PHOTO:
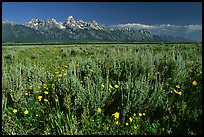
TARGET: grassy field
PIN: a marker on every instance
(105, 89)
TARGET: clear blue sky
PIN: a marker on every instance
(107, 13)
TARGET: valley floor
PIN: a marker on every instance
(105, 89)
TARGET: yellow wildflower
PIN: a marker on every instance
(140, 114)
(99, 110)
(53, 85)
(57, 73)
(178, 86)
(77, 65)
(116, 115)
(26, 112)
(91, 70)
(116, 86)
(60, 75)
(92, 121)
(126, 124)
(194, 83)
(134, 114)
(44, 85)
(45, 100)
(102, 86)
(134, 126)
(116, 122)
(175, 91)
(31, 87)
(39, 97)
(15, 110)
(66, 66)
(143, 114)
(37, 115)
(110, 86)
(180, 93)
(26, 94)
(130, 119)
(56, 100)
(46, 92)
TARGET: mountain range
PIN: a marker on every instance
(37, 30)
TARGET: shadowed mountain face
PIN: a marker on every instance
(37, 30)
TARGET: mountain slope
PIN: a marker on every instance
(37, 30)
(20, 33)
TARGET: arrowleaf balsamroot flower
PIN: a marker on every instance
(180, 93)
(116, 86)
(194, 83)
(44, 85)
(31, 87)
(26, 112)
(130, 119)
(15, 110)
(99, 110)
(110, 86)
(92, 121)
(116, 115)
(46, 92)
(56, 73)
(102, 86)
(178, 86)
(39, 97)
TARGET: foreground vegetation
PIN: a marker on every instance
(136, 89)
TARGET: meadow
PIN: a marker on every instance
(102, 89)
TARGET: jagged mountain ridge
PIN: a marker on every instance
(71, 30)
(70, 23)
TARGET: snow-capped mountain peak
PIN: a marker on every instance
(70, 23)
(145, 32)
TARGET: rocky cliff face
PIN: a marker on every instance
(145, 32)
(70, 23)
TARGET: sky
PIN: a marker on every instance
(107, 13)
(151, 15)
